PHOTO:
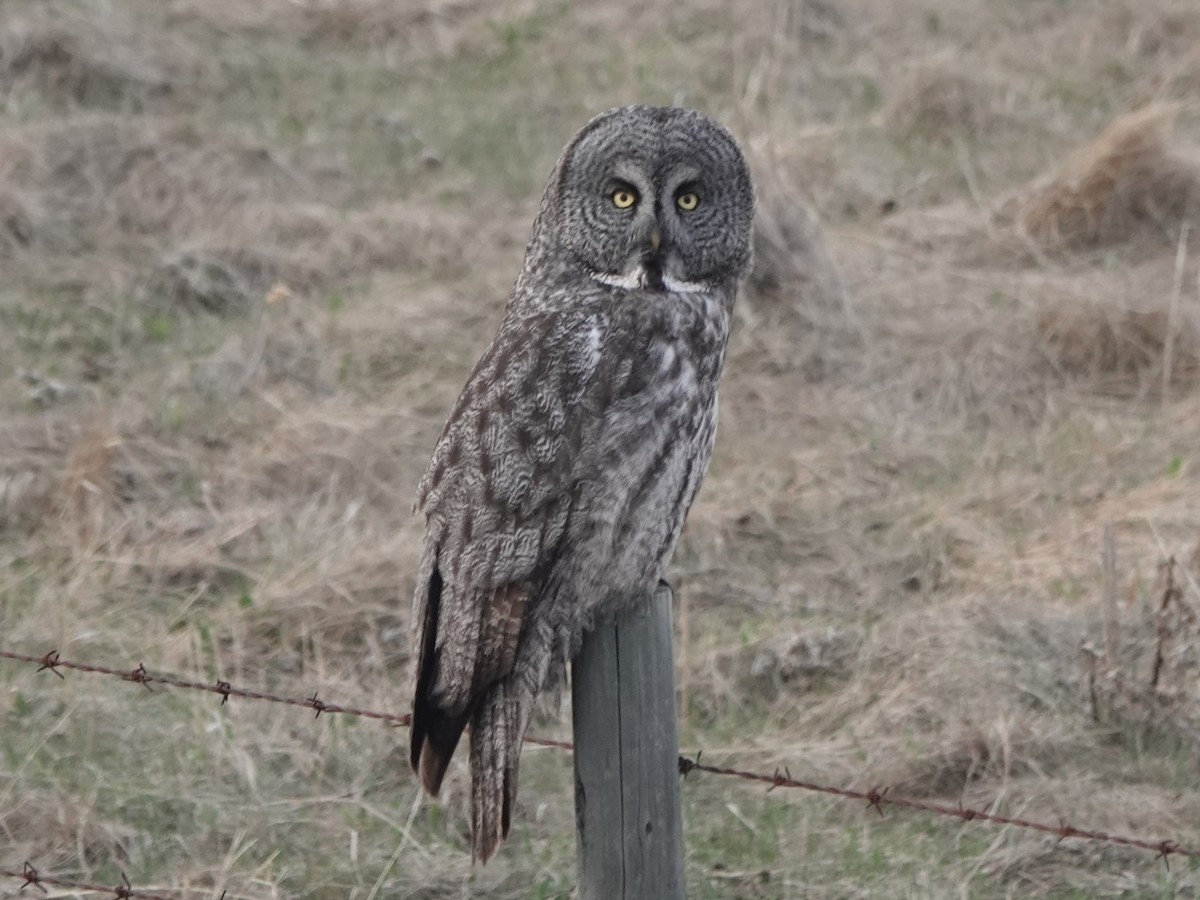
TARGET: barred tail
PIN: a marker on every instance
(435, 729)
(496, 732)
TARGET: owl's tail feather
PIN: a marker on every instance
(433, 745)
(435, 730)
(496, 732)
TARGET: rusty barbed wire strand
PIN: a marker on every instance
(51, 662)
(33, 878)
(876, 798)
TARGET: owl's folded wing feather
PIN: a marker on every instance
(496, 496)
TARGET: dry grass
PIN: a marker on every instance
(796, 307)
(939, 100)
(241, 293)
(1115, 346)
(96, 179)
(91, 56)
(1125, 184)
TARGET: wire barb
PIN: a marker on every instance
(1165, 849)
(50, 663)
(319, 705)
(140, 676)
(30, 874)
(876, 798)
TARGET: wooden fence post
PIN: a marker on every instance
(628, 826)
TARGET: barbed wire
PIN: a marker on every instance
(876, 798)
(51, 662)
(33, 878)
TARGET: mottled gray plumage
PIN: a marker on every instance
(561, 480)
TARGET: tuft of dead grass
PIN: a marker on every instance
(54, 470)
(86, 493)
(437, 26)
(1174, 31)
(1126, 184)
(220, 280)
(938, 100)
(41, 823)
(425, 29)
(966, 681)
(1117, 345)
(958, 354)
(97, 59)
(796, 661)
(971, 752)
(1145, 673)
(309, 247)
(225, 219)
(74, 185)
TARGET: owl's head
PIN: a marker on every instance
(648, 198)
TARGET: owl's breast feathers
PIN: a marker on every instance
(569, 461)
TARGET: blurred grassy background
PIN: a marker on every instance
(249, 253)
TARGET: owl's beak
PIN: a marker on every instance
(651, 264)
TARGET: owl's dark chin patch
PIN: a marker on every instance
(652, 274)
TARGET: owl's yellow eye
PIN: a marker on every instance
(623, 198)
(687, 202)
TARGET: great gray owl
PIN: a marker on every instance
(561, 479)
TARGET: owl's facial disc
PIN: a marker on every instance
(653, 200)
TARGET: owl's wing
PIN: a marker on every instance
(496, 497)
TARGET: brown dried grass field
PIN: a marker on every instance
(249, 252)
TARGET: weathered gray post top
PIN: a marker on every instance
(629, 829)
